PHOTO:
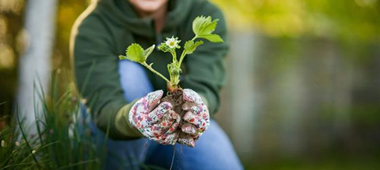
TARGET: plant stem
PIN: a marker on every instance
(184, 53)
(154, 71)
(174, 54)
(195, 37)
(182, 57)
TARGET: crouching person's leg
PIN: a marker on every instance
(124, 154)
(213, 150)
(120, 154)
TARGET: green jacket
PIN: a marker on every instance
(107, 27)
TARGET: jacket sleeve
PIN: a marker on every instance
(97, 79)
(205, 70)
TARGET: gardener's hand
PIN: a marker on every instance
(197, 118)
(155, 120)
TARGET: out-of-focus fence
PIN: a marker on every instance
(300, 97)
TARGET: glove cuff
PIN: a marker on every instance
(122, 123)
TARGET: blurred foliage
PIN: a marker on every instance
(332, 162)
(348, 20)
(68, 12)
(62, 140)
(11, 23)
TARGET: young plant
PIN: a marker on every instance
(203, 28)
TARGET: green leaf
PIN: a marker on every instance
(164, 48)
(197, 24)
(121, 57)
(204, 27)
(212, 37)
(208, 28)
(135, 53)
(148, 51)
(190, 46)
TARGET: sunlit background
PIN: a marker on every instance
(303, 88)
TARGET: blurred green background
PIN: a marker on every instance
(303, 88)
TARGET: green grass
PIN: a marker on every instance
(58, 142)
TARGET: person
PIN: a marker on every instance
(123, 98)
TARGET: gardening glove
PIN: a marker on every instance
(197, 118)
(156, 121)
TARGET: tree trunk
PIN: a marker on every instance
(35, 64)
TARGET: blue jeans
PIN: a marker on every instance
(213, 150)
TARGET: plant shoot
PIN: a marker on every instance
(203, 28)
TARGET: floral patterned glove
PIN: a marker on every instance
(197, 118)
(155, 120)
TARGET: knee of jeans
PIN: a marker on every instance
(134, 80)
(214, 126)
(212, 133)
